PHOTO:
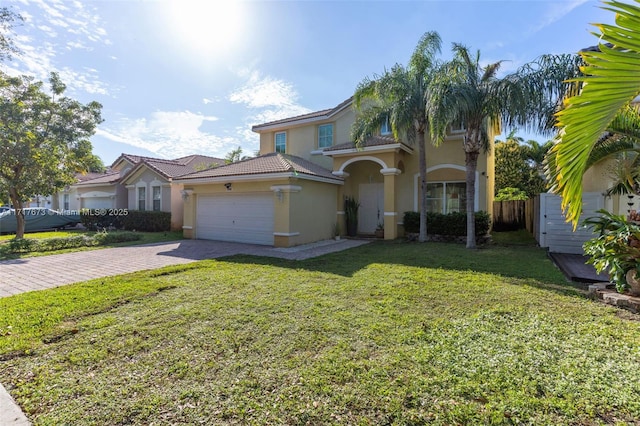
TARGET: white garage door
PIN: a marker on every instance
(556, 233)
(97, 203)
(241, 218)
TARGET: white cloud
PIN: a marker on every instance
(53, 27)
(170, 134)
(269, 98)
(555, 12)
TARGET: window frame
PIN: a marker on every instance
(320, 137)
(284, 142)
(385, 127)
(66, 201)
(457, 127)
(444, 199)
(142, 198)
(158, 199)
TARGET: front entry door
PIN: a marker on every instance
(371, 211)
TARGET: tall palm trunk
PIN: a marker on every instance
(471, 163)
(422, 166)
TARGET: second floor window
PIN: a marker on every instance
(142, 197)
(281, 142)
(457, 126)
(385, 128)
(325, 135)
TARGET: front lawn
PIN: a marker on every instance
(387, 333)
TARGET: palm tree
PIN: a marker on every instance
(610, 82)
(400, 96)
(465, 91)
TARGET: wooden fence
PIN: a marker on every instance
(513, 215)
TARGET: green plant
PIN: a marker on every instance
(351, 206)
(336, 229)
(148, 221)
(27, 245)
(511, 194)
(616, 250)
(447, 224)
(96, 219)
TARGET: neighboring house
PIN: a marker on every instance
(135, 183)
(553, 232)
(293, 193)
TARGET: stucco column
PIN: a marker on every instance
(340, 217)
(189, 212)
(283, 234)
(390, 206)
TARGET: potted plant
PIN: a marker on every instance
(380, 230)
(616, 250)
(351, 206)
(336, 231)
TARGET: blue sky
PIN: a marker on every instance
(180, 77)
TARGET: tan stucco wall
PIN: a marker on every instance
(312, 212)
(303, 140)
(121, 196)
(175, 205)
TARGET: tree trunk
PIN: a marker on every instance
(471, 162)
(17, 205)
(422, 165)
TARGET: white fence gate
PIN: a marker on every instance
(556, 233)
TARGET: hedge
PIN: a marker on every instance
(130, 220)
(454, 224)
(25, 245)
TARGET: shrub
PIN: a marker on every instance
(94, 219)
(511, 194)
(103, 238)
(454, 224)
(147, 221)
(24, 245)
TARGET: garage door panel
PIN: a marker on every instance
(97, 203)
(239, 218)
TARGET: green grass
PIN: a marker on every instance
(147, 238)
(40, 235)
(521, 237)
(387, 333)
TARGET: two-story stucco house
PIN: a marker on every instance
(293, 193)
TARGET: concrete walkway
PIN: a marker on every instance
(40, 273)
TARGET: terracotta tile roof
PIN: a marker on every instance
(372, 141)
(273, 163)
(101, 178)
(81, 177)
(325, 113)
(181, 166)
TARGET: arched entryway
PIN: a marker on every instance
(366, 184)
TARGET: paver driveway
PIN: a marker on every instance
(39, 273)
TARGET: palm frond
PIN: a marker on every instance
(611, 81)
